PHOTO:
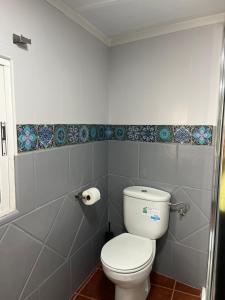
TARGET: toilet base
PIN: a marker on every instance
(139, 292)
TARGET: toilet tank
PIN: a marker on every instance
(146, 211)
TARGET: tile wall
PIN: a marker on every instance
(54, 241)
(32, 137)
(186, 172)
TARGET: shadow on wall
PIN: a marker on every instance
(185, 171)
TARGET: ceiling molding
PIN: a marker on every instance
(77, 18)
(97, 4)
(134, 35)
(154, 31)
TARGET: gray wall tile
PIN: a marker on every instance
(158, 162)
(99, 159)
(116, 185)
(65, 227)
(116, 220)
(45, 186)
(18, 252)
(155, 184)
(42, 177)
(122, 158)
(198, 240)
(2, 231)
(82, 262)
(183, 226)
(33, 296)
(58, 286)
(164, 260)
(26, 195)
(195, 166)
(98, 243)
(39, 221)
(47, 263)
(52, 174)
(202, 198)
(189, 265)
(80, 172)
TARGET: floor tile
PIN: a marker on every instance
(99, 287)
(159, 279)
(181, 296)
(79, 297)
(160, 293)
(85, 282)
(187, 289)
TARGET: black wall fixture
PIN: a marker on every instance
(21, 41)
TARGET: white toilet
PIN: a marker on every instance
(128, 258)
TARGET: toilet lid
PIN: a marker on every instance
(127, 252)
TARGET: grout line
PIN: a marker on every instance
(86, 281)
(188, 294)
(174, 285)
(75, 237)
(162, 286)
(87, 297)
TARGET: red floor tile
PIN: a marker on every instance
(181, 296)
(187, 289)
(98, 287)
(162, 280)
(79, 297)
(160, 293)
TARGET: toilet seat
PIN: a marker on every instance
(128, 253)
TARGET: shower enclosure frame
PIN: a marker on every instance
(217, 219)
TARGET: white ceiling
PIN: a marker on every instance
(113, 18)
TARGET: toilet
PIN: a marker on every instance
(128, 258)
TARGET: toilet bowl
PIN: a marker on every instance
(127, 261)
(128, 258)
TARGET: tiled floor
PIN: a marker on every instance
(98, 287)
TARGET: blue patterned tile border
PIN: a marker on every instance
(27, 137)
(31, 137)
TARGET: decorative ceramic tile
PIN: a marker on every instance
(120, 132)
(202, 135)
(93, 132)
(32, 137)
(27, 137)
(73, 134)
(164, 134)
(148, 133)
(108, 132)
(45, 136)
(182, 134)
(60, 135)
(83, 134)
(133, 133)
(101, 132)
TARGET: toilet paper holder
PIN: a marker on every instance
(80, 196)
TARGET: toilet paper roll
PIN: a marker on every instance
(91, 196)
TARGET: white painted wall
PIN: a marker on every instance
(63, 76)
(170, 79)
